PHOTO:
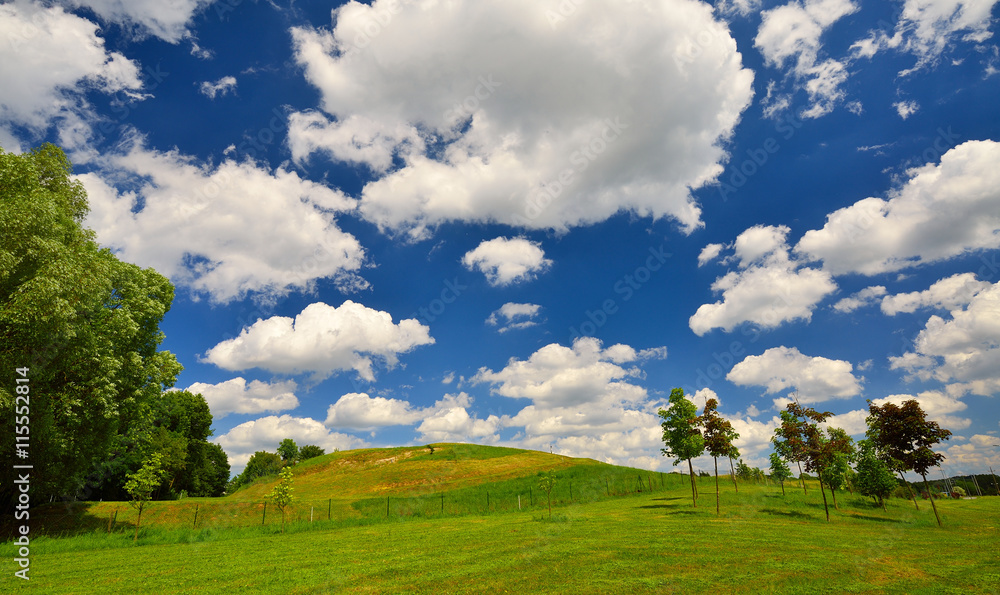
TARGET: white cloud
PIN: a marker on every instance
(709, 253)
(221, 87)
(964, 349)
(167, 20)
(853, 422)
(513, 316)
(321, 340)
(938, 406)
(940, 212)
(789, 36)
(742, 8)
(507, 261)
(905, 109)
(52, 58)
(950, 293)
(812, 379)
(496, 114)
(267, 433)
(449, 421)
(865, 297)
(926, 28)
(236, 396)
(225, 231)
(361, 412)
(768, 289)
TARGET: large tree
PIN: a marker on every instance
(719, 436)
(904, 437)
(84, 324)
(681, 436)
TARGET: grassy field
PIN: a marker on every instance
(648, 542)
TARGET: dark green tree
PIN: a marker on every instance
(875, 479)
(719, 436)
(779, 471)
(85, 324)
(837, 455)
(681, 436)
(310, 451)
(261, 464)
(288, 451)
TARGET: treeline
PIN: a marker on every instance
(81, 374)
(264, 464)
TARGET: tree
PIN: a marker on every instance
(84, 324)
(904, 436)
(546, 482)
(779, 471)
(310, 451)
(261, 464)
(281, 495)
(875, 479)
(141, 485)
(837, 455)
(288, 451)
(803, 439)
(681, 436)
(718, 437)
(787, 441)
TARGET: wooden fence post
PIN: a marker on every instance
(196, 507)
(329, 509)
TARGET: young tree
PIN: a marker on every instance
(681, 436)
(546, 482)
(779, 471)
(281, 495)
(837, 455)
(875, 479)
(905, 436)
(787, 441)
(806, 441)
(141, 485)
(718, 436)
(310, 451)
(288, 451)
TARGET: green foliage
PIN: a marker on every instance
(281, 495)
(546, 483)
(779, 470)
(681, 436)
(85, 323)
(261, 464)
(141, 485)
(874, 477)
(288, 451)
(719, 433)
(310, 451)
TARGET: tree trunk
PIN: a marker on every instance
(138, 522)
(694, 490)
(802, 481)
(782, 489)
(732, 473)
(912, 496)
(716, 486)
(825, 505)
(931, 496)
(833, 493)
(882, 502)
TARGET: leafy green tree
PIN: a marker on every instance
(779, 471)
(546, 483)
(803, 438)
(681, 436)
(788, 442)
(211, 471)
(141, 485)
(310, 451)
(875, 479)
(281, 495)
(84, 323)
(288, 451)
(905, 436)
(837, 461)
(261, 464)
(719, 436)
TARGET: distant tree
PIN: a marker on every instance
(310, 451)
(288, 451)
(261, 464)
(875, 479)
(281, 495)
(905, 436)
(546, 482)
(718, 438)
(779, 471)
(681, 436)
(141, 485)
(959, 490)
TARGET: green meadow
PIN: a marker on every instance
(608, 537)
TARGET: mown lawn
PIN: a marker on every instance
(648, 543)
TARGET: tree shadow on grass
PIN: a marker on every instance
(667, 499)
(876, 519)
(791, 513)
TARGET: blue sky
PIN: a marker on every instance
(523, 223)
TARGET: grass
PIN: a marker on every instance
(649, 542)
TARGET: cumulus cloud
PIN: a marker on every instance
(360, 411)
(267, 433)
(789, 37)
(166, 20)
(542, 125)
(449, 421)
(321, 340)
(949, 294)
(236, 396)
(221, 87)
(709, 253)
(35, 94)
(812, 379)
(865, 297)
(938, 406)
(942, 211)
(963, 348)
(768, 288)
(513, 316)
(507, 261)
(225, 231)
